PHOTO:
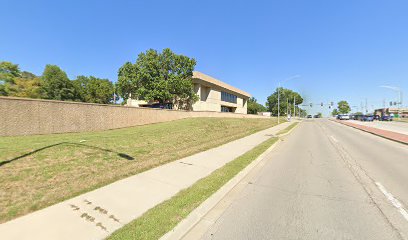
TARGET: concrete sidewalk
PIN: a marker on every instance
(96, 214)
(398, 137)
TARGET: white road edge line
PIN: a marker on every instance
(334, 139)
(393, 200)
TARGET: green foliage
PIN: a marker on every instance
(57, 85)
(319, 114)
(254, 107)
(94, 90)
(26, 87)
(163, 77)
(15, 83)
(335, 112)
(8, 71)
(343, 107)
(285, 96)
(303, 112)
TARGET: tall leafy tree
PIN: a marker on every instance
(56, 84)
(94, 90)
(335, 112)
(254, 107)
(26, 87)
(343, 107)
(163, 77)
(286, 101)
(8, 72)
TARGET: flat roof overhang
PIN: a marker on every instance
(212, 81)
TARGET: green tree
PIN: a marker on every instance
(303, 112)
(163, 77)
(335, 112)
(343, 107)
(286, 95)
(94, 90)
(254, 107)
(26, 87)
(56, 84)
(8, 73)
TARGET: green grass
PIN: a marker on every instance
(38, 171)
(286, 130)
(165, 216)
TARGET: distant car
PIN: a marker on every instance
(344, 117)
(386, 118)
(309, 116)
(316, 116)
(377, 117)
(368, 118)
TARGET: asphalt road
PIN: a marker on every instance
(323, 181)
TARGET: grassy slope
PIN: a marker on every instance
(165, 216)
(37, 171)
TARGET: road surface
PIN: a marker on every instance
(323, 181)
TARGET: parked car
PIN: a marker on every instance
(309, 116)
(316, 116)
(368, 118)
(344, 117)
(386, 118)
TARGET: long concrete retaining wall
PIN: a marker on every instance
(23, 116)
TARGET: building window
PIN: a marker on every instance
(228, 97)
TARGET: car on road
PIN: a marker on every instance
(367, 118)
(344, 117)
(386, 118)
(309, 116)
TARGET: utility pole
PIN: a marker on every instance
(366, 110)
(278, 102)
(287, 106)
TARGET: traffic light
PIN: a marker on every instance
(390, 103)
(311, 105)
(321, 104)
(332, 104)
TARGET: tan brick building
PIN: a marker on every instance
(214, 95)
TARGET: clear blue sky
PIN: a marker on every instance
(341, 49)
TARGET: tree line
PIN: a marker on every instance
(164, 77)
(54, 84)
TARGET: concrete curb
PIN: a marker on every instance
(376, 134)
(283, 135)
(197, 214)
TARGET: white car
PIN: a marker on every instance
(344, 117)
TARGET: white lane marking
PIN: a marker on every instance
(334, 139)
(393, 200)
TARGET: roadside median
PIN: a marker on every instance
(394, 136)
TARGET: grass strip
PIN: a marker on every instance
(41, 170)
(286, 130)
(159, 220)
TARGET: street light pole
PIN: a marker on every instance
(278, 102)
(399, 91)
(279, 84)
